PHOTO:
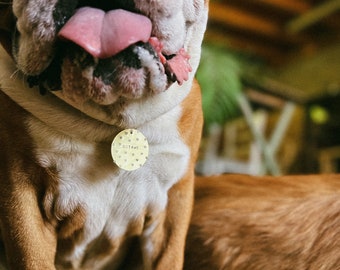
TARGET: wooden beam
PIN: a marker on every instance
(248, 22)
(269, 53)
(238, 18)
(244, 26)
(291, 6)
(313, 16)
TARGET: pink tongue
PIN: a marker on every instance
(105, 34)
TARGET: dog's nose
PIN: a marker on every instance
(104, 34)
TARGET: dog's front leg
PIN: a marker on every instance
(171, 234)
(29, 243)
(168, 239)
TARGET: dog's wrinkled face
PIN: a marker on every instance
(104, 50)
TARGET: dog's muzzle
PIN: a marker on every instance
(105, 34)
(103, 54)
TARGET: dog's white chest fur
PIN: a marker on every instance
(111, 199)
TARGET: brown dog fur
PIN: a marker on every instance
(62, 206)
(243, 222)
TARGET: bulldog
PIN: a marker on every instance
(100, 122)
(243, 222)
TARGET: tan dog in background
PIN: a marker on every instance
(75, 74)
(265, 223)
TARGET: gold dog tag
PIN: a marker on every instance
(130, 149)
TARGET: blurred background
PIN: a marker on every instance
(270, 78)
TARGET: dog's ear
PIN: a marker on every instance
(7, 24)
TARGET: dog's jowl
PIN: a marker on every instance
(74, 75)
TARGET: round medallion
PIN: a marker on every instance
(130, 149)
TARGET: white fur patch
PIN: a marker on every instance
(112, 197)
(157, 80)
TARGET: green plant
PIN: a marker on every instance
(220, 77)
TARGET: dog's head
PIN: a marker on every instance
(104, 52)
